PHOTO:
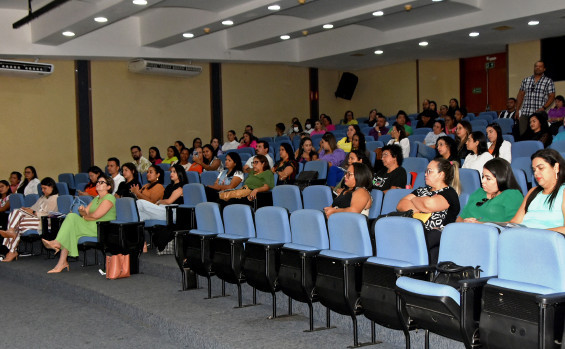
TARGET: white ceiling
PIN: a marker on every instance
(155, 30)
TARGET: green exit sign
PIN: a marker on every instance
(489, 65)
(477, 90)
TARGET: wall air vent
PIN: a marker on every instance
(25, 69)
(161, 68)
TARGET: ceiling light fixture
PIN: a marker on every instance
(188, 35)
(533, 22)
(274, 8)
(101, 19)
(378, 13)
(423, 43)
(285, 37)
(140, 2)
(473, 34)
(328, 26)
(227, 22)
(68, 33)
(379, 52)
(437, 0)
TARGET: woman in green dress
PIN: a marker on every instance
(75, 226)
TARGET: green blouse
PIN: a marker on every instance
(255, 181)
(501, 208)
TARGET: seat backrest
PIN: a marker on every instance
(508, 138)
(525, 148)
(349, 233)
(165, 167)
(193, 194)
(413, 149)
(377, 204)
(532, 256)
(63, 188)
(391, 199)
(64, 203)
(272, 223)
(126, 210)
(193, 177)
(521, 179)
(308, 227)
(166, 178)
(525, 164)
(316, 141)
(385, 138)
(208, 217)
(81, 177)
(30, 199)
(406, 243)
(505, 125)
(287, 196)
(420, 180)
(16, 201)
(316, 197)
(372, 145)
(319, 165)
(418, 137)
(422, 130)
(208, 177)
(415, 164)
(559, 146)
(470, 244)
(463, 198)
(470, 180)
(238, 220)
(68, 178)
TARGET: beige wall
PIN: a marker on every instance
(439, 81)
(521, 60)
(39, 123)
(146, 110)
(263, 95)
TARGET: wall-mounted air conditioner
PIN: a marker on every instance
(25, 69)
(162, 68)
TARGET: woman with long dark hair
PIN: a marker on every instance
(155, 155)
(173, 155)
(497, 146)
(153, 190)
(462, 132)
(90, 189)
(30, 182)
(228, 179)
(538, 129)
(306, 151)
(479, 155)
(208, 161)
(129, 171)
(286, 167)
(356, 198)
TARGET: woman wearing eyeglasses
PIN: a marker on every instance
(356, 198)
(498, 199)
(439, 198)
(101, 208)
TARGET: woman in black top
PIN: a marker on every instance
(393, 175)
(356, 198)
(286, 167)
(129, 171)
(538, 129)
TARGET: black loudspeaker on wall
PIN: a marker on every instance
(346, 86)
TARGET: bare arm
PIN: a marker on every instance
(359, 201)
(519, 216)
(254, 192)
(104, 207)
(177, 193)
(405, 203)
(430, 203)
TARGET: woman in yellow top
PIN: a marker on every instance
(172, 155)
(348, 118)
(346, 142)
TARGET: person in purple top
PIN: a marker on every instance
(334, 156)
(380, 127)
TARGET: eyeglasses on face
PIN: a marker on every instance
(349, 174)
(430, 170)
(101, 182)
(256, 162)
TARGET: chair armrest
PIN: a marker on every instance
(474, 283)
(552, 298)
(169, 213)
(356, 260)
(407, 271)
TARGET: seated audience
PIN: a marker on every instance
(131, 177)
(279, 130)
(392, 175)
(308, 126)
(334, 156)
(172, 195)
(446, 148)
(479, 155)
(497, 146)
(4, 196)
(208, 161)
(247, 141)
(173, 155)
(153, 190)
(179, 145)
(196, 159)
(113, 167)
(538, 129)
(155, 155)
(306, 151)
(437, 131)
(440, 198)
(460, 114)
(291, 125)
(196, 143)
(30, 182)
(29, 218)
(353, 157)
(402, 119)
(426, 119)
(296, 129)
(543, 207)
(462, 132)
(286, 167)
(556, 115)
(139, 161)
(75, 226)
(262, 149)
(442, 111)
(228, 179)
(260, 179)
(215, 143)
(348, 118)
(499, 198)
(232, 142)
(379, 127)
(453, 105)
(450, 125)
(400, 138)
(345, 142)
(327, 121)
(372, 117)
(358, 143)
(15, 180)
(183, 160)
(510, 110)
(90, 190)
(318, 128)
(356, 198)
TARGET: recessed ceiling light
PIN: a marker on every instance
(473, 34)
(68, 33)
(285, 37)
(188, 35)
(378, 13)
(140, 2)
(227, 22)
(101, 19)
(436, 0)
(328, 26)
(379, 52)
(423, 43)
(274, 8)
(533, 22)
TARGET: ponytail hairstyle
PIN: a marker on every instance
(451, 170)
(552, 157)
